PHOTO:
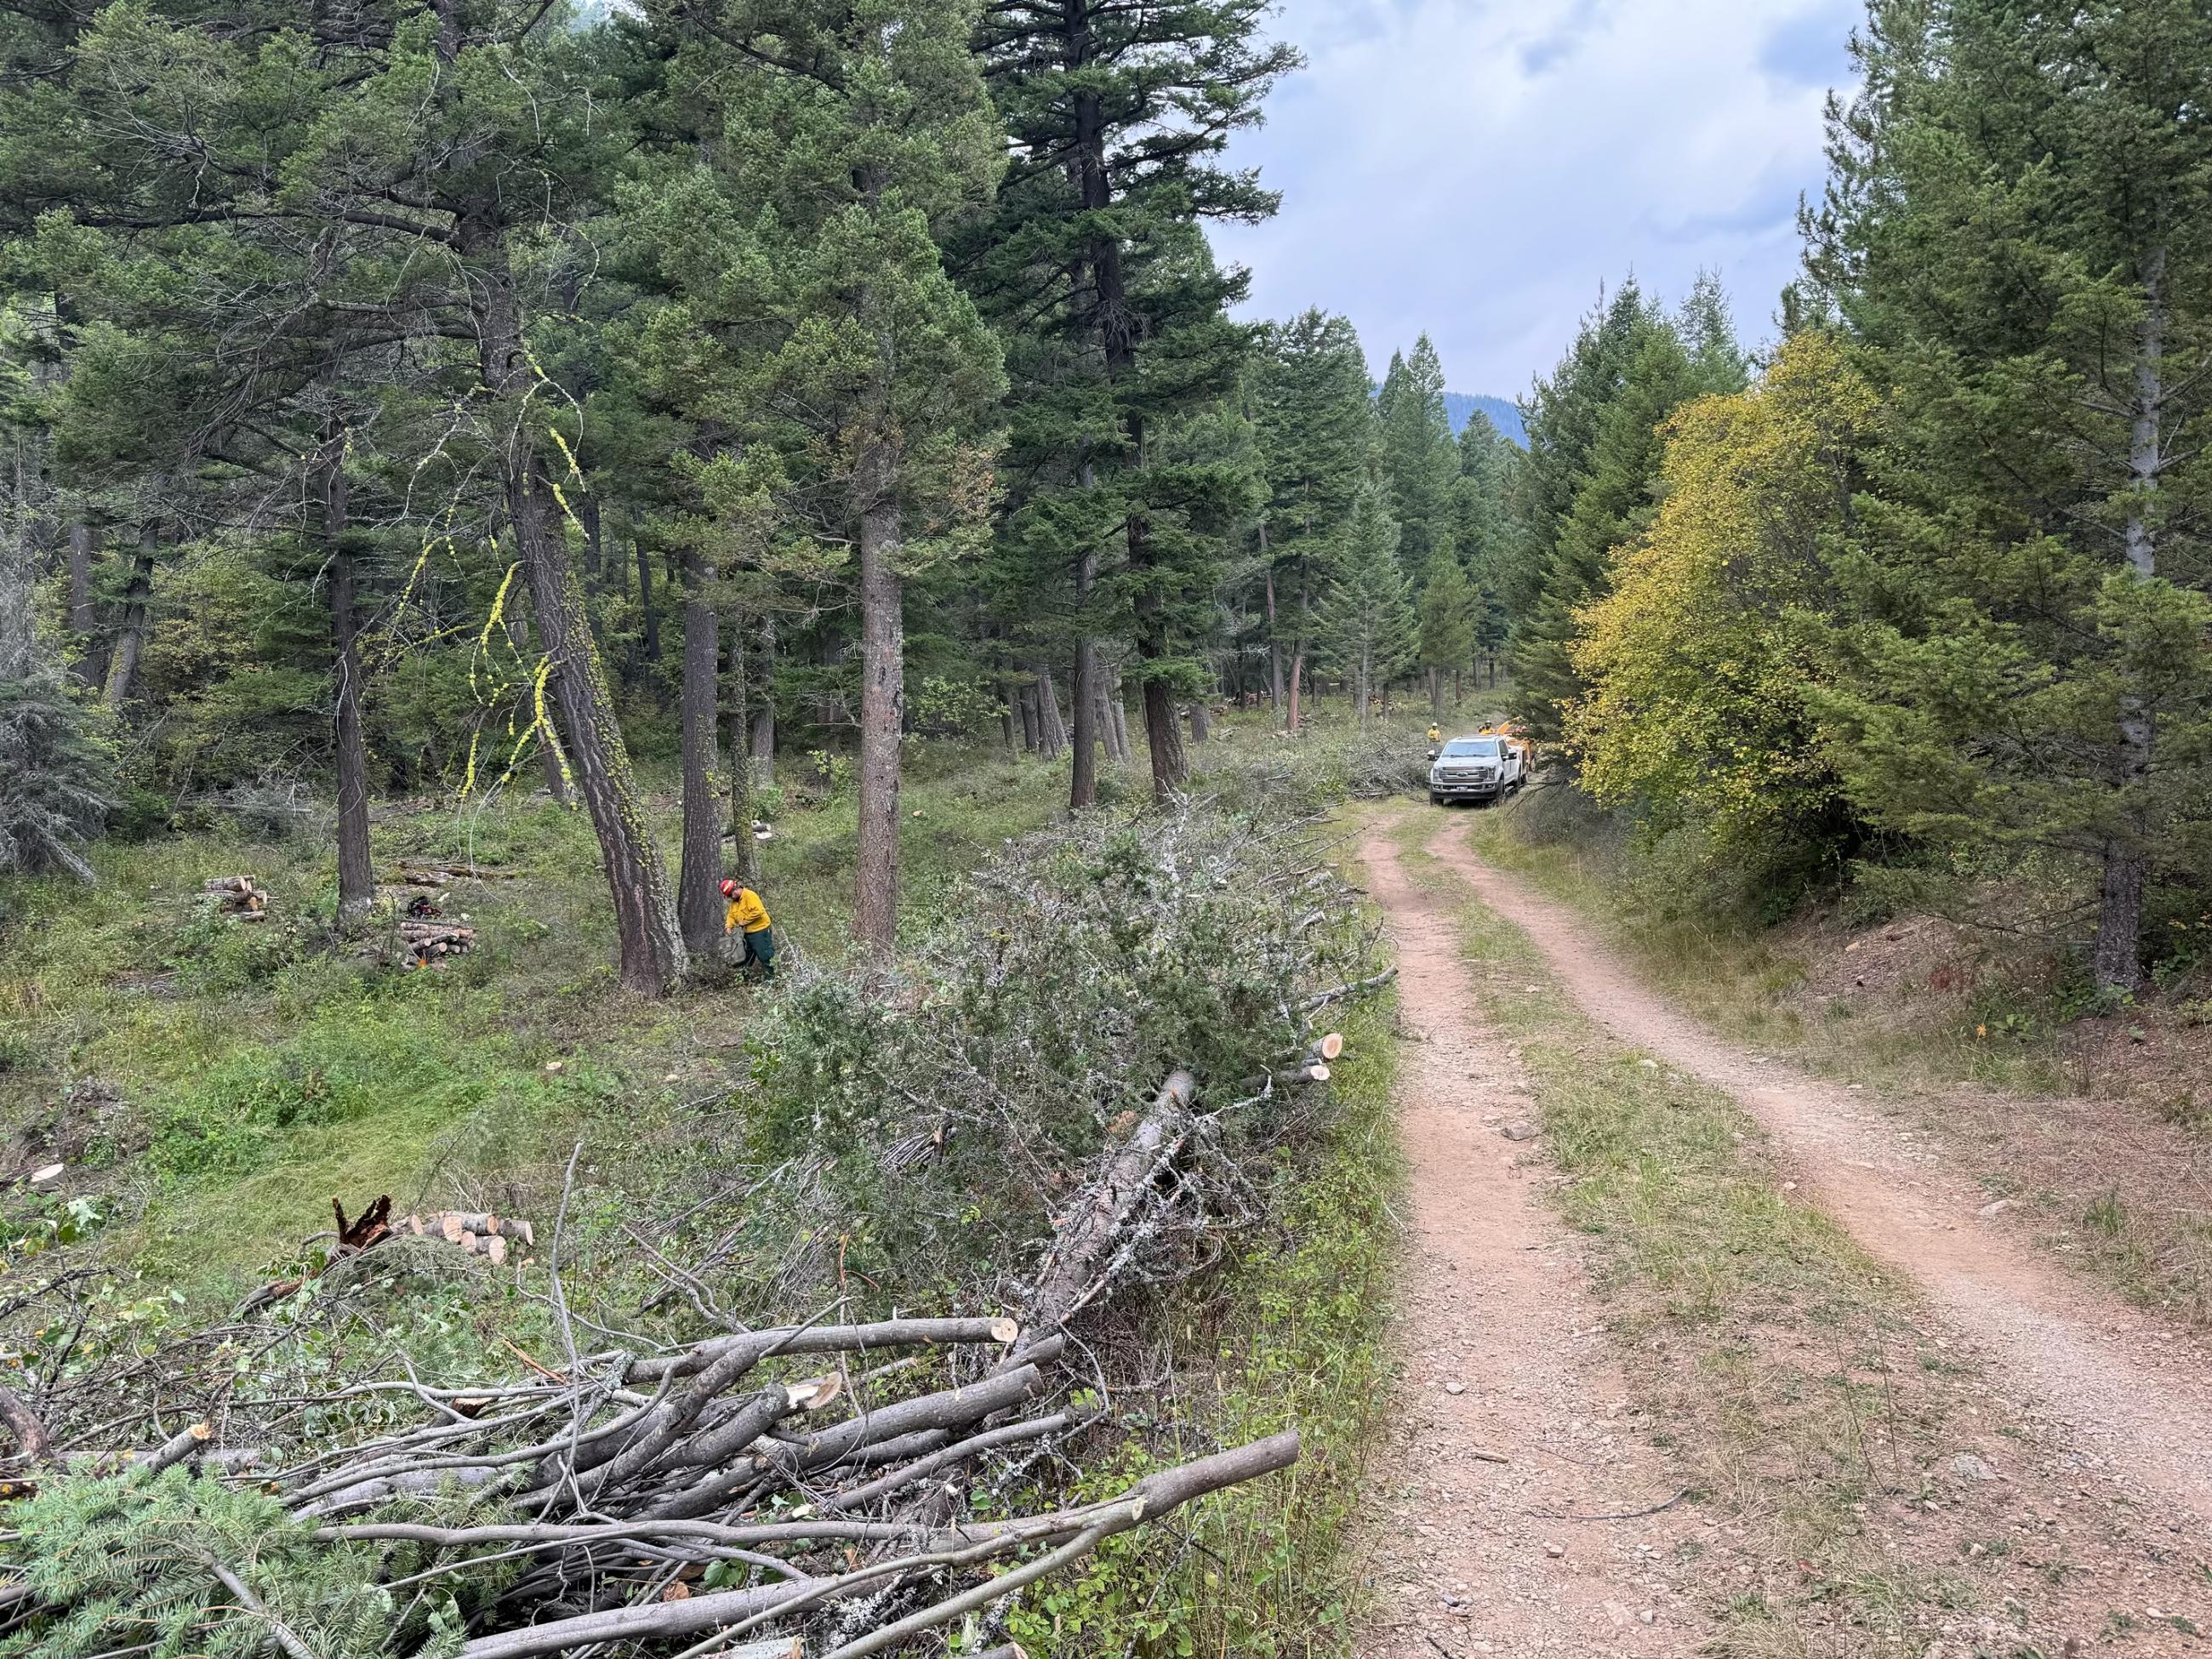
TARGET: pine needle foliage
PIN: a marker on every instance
(53, 778)
(1062, 986)
(138, 1566)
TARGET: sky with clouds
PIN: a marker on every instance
(1482, 168)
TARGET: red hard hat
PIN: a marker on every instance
(729, 890)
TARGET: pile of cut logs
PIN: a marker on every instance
(423, 942)
(417, 893)
(476, 1233)
(235, 896)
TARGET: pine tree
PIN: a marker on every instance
(1367, 623)
(1418, 457)
(1450, 618)
(2015, 235)
(1612, 491)
(1116, 116)
(1317, 438)
(1484, 534)
(861, 130)
(53, 775)
(423, 174)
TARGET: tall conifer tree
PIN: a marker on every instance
(1117, 116)
(1318, 439)
(1418, 461)
(2015, 233)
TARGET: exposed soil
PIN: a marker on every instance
(2127, 1395)
(1503, 1355)
(2115, 1169)
(2044, 1464)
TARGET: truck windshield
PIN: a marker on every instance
(1471, 748)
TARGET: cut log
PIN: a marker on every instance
(236, 896)
(1111, 1201)
(439, 875)
(423, 941)
(187, 1443)
(29, 1428)
(829, 1339)
(450, 1225)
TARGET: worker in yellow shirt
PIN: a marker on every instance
(1436, 734)
(747, 916)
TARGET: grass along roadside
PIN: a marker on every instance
(1742, 981)
(1812, 1416)
(2103, 1148)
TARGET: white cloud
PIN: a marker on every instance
(1480, 169)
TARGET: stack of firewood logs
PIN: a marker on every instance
(235, 896)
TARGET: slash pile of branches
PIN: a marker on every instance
(831, 1488)
(772, 1487)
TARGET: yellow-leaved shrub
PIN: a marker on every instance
(1699, 658)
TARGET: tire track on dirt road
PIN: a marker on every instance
(2130, 1397)
(1513, 1419)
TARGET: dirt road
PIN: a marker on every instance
(1514, 1419)
(2064, 1467)
(2129, 1397)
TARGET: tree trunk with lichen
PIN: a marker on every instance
(698, 908)
(356, 872)
(653, 957)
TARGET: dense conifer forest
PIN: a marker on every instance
(586, 464)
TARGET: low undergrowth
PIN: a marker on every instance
(857, 1140)
(209, 1086)
(1292, 1335)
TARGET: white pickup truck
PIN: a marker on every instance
(1483, 769)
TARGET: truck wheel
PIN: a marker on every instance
(1435, 800)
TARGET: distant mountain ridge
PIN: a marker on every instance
(1460, 407)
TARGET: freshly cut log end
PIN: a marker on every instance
(813, 1394)
(1331, 1046)
(1317, 1074)
(1004, 1329)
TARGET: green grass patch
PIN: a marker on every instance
(212, 1086)
(1743, 979)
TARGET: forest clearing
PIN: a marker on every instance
(801, 856)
